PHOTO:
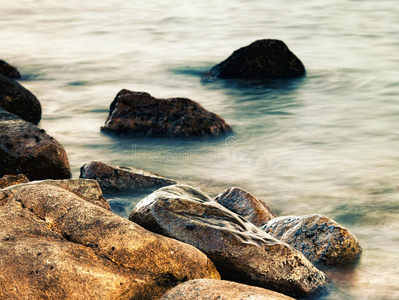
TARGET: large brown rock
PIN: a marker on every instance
(119, 179)
(56, 245)
(9, 70)
(239, 249)
(26, 149)
(10, 180)
(140, 114)
(319, 238)
(206, 289)
(263, 59)
(19, 101)
(246, 205)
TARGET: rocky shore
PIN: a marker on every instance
(59, 238)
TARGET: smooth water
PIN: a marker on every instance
(326, 143)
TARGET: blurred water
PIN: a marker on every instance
(326, 143)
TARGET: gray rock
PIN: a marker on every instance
(246, 205)
(205, 289)
(140, 114)
(56, 245)
(19, 101)
(119, 179)
(263, 59)
(26, 149)
(319, 238)
(239, 249)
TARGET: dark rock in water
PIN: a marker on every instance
(140, 114)
(19, 101)
(119, 179)
(205, 289)
(9, 70)
(26, 149)
(319, 238)
(246, 205)
(56, 245)
(10, 180)
(240, 250)
(263, 59)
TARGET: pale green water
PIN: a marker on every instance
(324, 144)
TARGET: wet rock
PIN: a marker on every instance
(319, 238)
(140, 114)
(10, 180)
(9, 70)
(246, 205)
(118, 179)
(26, 149)
(240, 250)
(19, 101)
(205, 289)
(263, 59)
(56, 245)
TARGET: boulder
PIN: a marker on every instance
(9, 180)
(9, 70)
(240, 250)
(26, 149)
(246, 205)
(19, 101)
(205, 289)
(263, 59)
(56, 245)
(119, 179)
(140, 114)
(322, 240)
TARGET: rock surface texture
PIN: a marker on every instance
(246, 205)
(140, 114)
(119, 179)
(319, 238)
(19, 101)
(56, 245)
(9, 180)
(240, 250)
(208, 289)
(9, 70)
(26, 149)
(263, 59)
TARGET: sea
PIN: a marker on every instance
(326, 143)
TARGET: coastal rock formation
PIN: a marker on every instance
(140, 114)
(26, 149)
(9, 70)
(118, 179)
(56, 245)
(246, 205)
(10, 180)
(319, 238)
(205, 289)
(19, 101)
(240, 250)
(263, 59)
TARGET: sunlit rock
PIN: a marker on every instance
(10, 180)
(239, 249)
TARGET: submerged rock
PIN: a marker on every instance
(19, 101)
(56, 245)
(118, 179)
(141, 114)
(205, 289)
(239, 249)
(263, 59)
(9, 70)
(246, 205)
(10, 180)
(319, 238)
(26, 149)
